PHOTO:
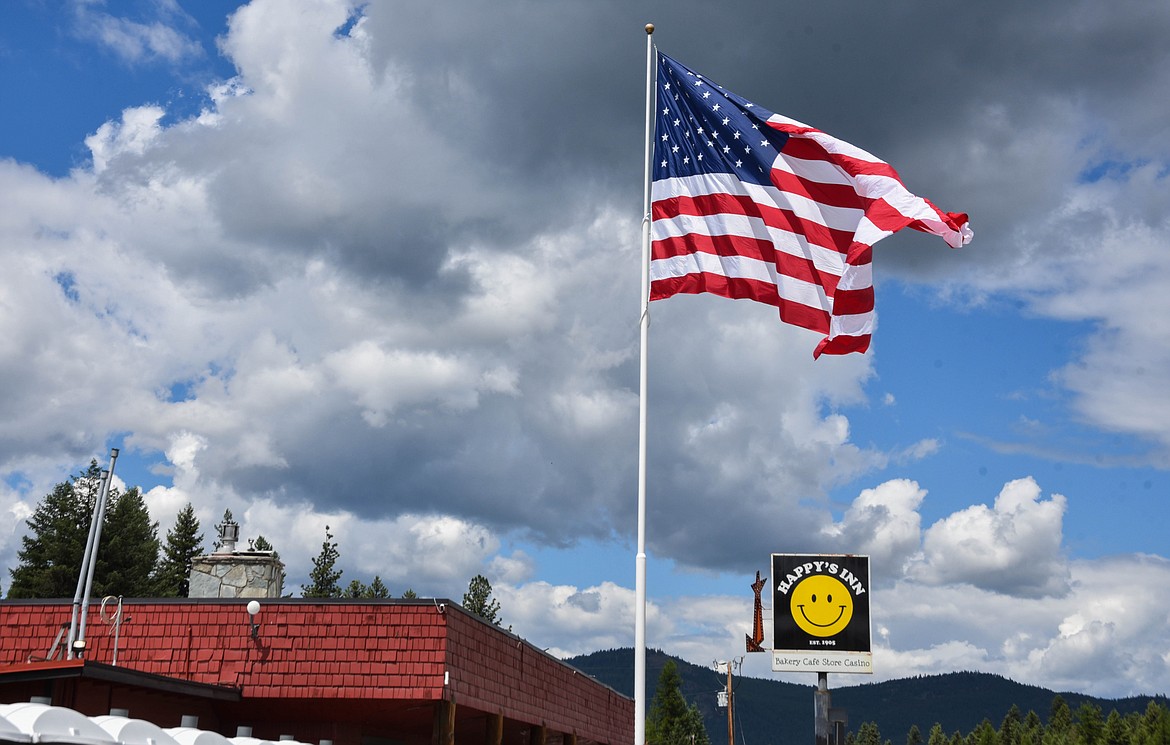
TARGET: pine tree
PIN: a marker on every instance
(1090, 728)
(184, 542)
(670, 720)
(478, 600)
(324, 577)
(377, 589)
(914, 736)
(129, 549)
(409, 594)
(51, 552)
(355, 589)
(869, 734)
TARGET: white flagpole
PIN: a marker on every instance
(644, 324)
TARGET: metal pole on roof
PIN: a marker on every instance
(100, 516)
(84, 570)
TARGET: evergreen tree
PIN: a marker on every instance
(1056, 731)
(914, 736)
(1116, 729)
(1154, 726)
(670, 720)
(51, 552)
(324, 578)
(1011, 728)
(985, 733)
(937, 736)
(869, 734)
(355, 589)
(129, 549)
(409, 594)
(1090, 728)
(184, 542)
(478, 600)
(376, 589)
(1032, 730)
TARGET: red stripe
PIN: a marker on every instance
(853, 302)
(842, 345)
(883, 215)
(761, 250)
(837, 195)
(801, 146)
(793, 313)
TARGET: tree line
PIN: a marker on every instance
(133, 562)
(1086, 727)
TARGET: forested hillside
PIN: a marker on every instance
(771, 712)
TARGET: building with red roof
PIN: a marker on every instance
(354, 672)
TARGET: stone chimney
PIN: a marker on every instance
(228, 573)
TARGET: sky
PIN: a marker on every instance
(376, 267)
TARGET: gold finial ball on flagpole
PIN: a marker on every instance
(649, 28)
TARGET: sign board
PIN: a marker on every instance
(820, 612)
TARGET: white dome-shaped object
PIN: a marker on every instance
(193, 736)
(10, 733)
(133, 731)
(55, 724)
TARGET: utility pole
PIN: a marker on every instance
(730, 699)
(730, 708)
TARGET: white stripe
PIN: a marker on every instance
(819, 171)
(869, 234)
(860, 324)
(824, 259)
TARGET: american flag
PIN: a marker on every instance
(751, 204)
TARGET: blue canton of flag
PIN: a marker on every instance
(702, 128)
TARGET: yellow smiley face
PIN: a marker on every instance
(821, 605)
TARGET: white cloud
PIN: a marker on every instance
(883, 523)
(1012, 547)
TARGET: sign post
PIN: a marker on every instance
(820, 612)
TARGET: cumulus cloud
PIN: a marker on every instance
(1013, 547)
(883, 523)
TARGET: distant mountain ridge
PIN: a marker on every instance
(772, 712)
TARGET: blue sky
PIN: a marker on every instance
(375, 267)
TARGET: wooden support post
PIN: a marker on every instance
(443, 730)
(494, 730)
(536, 735)
(569, 738)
